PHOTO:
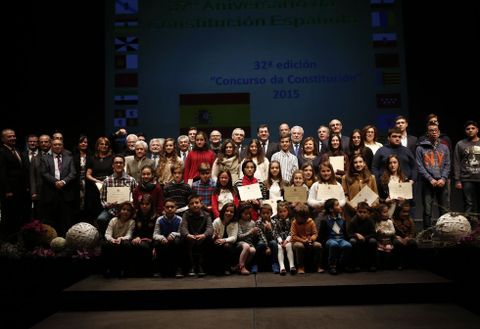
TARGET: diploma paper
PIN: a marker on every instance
(338, 163)
(365, 195)
(400, 190)
(118, 194)
(99, 185)
(250, 192)
(329, 191)
(295, 194)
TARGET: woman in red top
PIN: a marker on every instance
(200, 153)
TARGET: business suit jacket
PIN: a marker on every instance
(271, 149)
(13, 175)
(68, 174)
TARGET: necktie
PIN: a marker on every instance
(59, 162)
(16, 155)
(264, 145)
(296, 149)
(183, 156)
(31, 154)
(155, 160)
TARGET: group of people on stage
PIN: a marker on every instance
(187, 211)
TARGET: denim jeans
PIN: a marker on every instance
(430, 195)
(471, 194)
(338, 252)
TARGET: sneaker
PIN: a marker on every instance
(333, 270)
(275, 268)
(227, 272)
(293, 270)
(201, 273)
(179, 274)
(301, 270)
(191, 273)
(372, 268)
(283, 271)
(254, 269)
(320, 270)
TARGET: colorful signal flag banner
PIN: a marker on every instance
(382, 3)
(131, 113)
(126, 80)
(383, 19)
(390, 100)
(126, 61)
(126, 44)
(387, 60)
(128, 99)
(388, 77)
(384, 40)
(220, 111)
(127, 7)
(125, 21)
(119, 122)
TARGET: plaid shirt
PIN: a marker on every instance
(204, 191)
(115, 181)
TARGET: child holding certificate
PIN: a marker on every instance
(118, 235)
(317, 196)
(275, 183)
(358, 176)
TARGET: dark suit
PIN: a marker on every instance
(412, 144)
(57, 203)
(271, 149)
(14, 180)
(324, 148)
(345, 143)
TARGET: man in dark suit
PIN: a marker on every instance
(408, 141)
(238, 136)
(296, 136)
(14, 195)
(58, 190)
(336, 128)
(323, 135)
(269, 147)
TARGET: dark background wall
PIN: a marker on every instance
(55, 66)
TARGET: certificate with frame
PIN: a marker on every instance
(330, 191)
(250, 192)
(295, 194)
(118, 194)
(366, 194)
(400, 190)
(337, 162)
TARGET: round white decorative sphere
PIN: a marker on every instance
(58, 244)
(82, 236)
(451, 226)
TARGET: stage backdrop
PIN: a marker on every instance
(240, 63)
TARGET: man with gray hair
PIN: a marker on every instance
(183, 147)
(238, 136)
(336, 128)
(296, 135)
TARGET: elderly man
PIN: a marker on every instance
(336, 128)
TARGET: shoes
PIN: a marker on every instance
(301, 270)
(227, 272)
(107, 274)
(320, 270)
(348, 269)
(357, 269)
(201, 273)
(275, 268)
(191, 273)
(254, 269)
(372, 268)
(293, 270)
(283, 271)
(179, 274)
(333, 270)
(400, 267)
(244, 271)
